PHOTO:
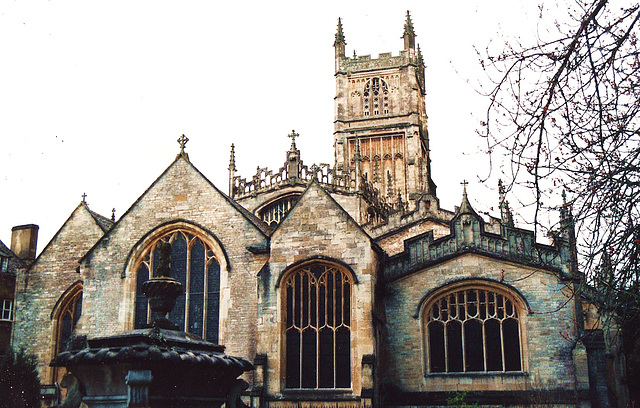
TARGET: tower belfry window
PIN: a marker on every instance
(375, 97)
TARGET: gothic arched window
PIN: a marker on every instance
(473, 329)
(317, 299)
(375, 97)
(67, 316)
(194, 265)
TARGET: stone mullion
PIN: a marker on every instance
(205, 296)
(187, 296)
(464, 351)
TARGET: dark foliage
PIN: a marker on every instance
(19, 383)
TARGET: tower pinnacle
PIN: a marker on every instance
(409, 35)
(339, 43)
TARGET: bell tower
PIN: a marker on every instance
(380, 125)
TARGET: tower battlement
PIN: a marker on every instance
(364, 63)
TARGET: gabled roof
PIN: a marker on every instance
(5, 251)
(255, 221)
(99, 220)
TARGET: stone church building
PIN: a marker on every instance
(346, 285)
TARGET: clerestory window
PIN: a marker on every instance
(317, 298)
(274, 213)
(194, 265)
(473, 330)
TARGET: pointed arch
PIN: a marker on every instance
(198, 261)
(65, 316)
(473, 325)
(317, 299)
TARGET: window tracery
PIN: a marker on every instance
(375, 97)
(274, 213)
(473, 330)
(317, 298)
(193, 264)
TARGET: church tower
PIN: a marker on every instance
(380, 126)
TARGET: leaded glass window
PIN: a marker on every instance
(473, 330)
(318, 327)
(194, 265)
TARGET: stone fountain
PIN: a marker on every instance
(157, 366)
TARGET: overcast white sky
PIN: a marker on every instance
(93, 95)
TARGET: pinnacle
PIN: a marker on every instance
(339, 34)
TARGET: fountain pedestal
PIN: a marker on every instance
(158, 366)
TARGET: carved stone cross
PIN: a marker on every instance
(182, 140)
(293, 136)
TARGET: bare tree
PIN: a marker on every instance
(565, 112)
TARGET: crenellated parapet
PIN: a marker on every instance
(362, 63)
(468, 235)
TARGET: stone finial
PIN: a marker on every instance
(182, 141)
(84, 198)
(409, 35)
(339, 43)
(113, 214)
(232, 158)
(505, 212)
(293, 136)
(465, 206)
(420, 58)
(339, 34)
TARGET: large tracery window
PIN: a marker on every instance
(194, 265)
(318, 327)
(473, 330)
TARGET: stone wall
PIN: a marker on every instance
(317, 228)
(39, 288)
(548, 328)
(180, 197)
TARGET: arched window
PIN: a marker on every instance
(65, 316)
(375, 97)
(194, 265)
(317, 298)
(274, 213)
(473, 329)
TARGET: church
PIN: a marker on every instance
(345, 285)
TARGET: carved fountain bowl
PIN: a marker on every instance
(162, 293)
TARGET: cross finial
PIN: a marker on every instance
(464, 185)
(182, 141)
(293, 136)
(84, 198)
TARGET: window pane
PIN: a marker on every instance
(309, 358)
(326, 363)
(293, 359)
(343, 358)
(436, 347)
(474, 356)
(454, 347)
(511, 345)
(494, 345)
(213, 301)
(142, 303)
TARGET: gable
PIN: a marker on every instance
(181, 193)
(318, 226)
